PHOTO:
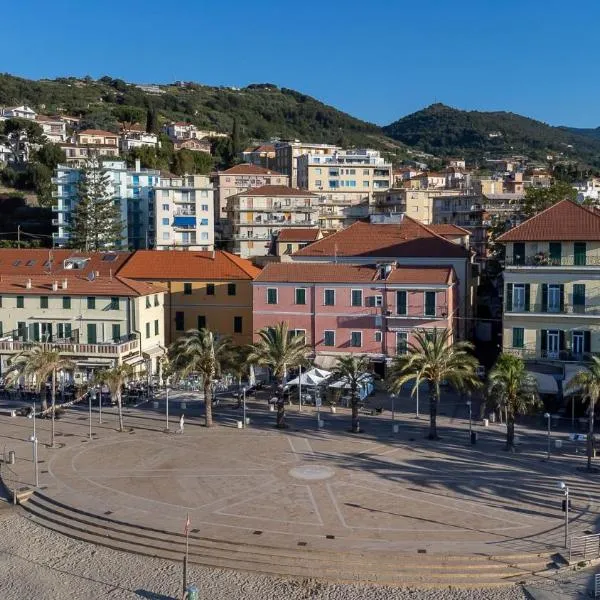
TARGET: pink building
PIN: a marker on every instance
(365, 309)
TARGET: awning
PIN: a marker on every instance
(325, 361)
(154, 351)
(94, 363)
(570, 372)
(546, 383)
(134, 360)
(313, 377)
(184, 221)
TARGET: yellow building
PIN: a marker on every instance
(552, 290)
(210, 290)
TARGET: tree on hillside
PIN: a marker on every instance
(96, 223)
(538, 199)
(183, 162)
(50, 155)
(19, 135)
(151, 121)
(236, 142)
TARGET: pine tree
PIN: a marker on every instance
(96, 223)
(235, 139)
(151, 121)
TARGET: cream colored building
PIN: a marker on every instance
(257, 215)
(345, 183)
(76, 303)
(552, 286)
(287, 154)
(415, 203)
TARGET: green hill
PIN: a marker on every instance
(447, 131)
(262, 110)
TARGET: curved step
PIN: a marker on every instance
(395, 569)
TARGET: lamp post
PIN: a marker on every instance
(33, 440)
(90, 414)
(167, 401)
(547, 415)
(300, 389)
(244, 406)
(565, 488)
(417, 412)
(470, 420)
(100, 403)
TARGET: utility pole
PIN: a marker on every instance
(19, 237)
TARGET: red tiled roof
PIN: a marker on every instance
(300, 234)
(265, 148)
(448, 229)
(163, 265)
(277, 190)
(564, 221)
(409, 238)
(249, 169)
(97, 132)
(421, 274)
(290, 272)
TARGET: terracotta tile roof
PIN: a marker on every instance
(409, 238)
(97, 273)
(49, 119)
(97, 132)
(421, 274)
(290, 272)
(163, 265)
(249, 169)
(564, 221)
(448, 229)
(277, 190)
(300, 234)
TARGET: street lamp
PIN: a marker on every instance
(470, 422)
(417, 413)
(90, 413)
(547, 415)
(565, 488)
(300, 388)
(244, 405)
(33, 440)
(167, 401)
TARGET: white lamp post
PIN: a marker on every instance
(244, 406)
(547, 415)
(565, 488)
(470, 421)
(300, 389)
(33, 440)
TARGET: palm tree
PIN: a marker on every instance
(115, 378)
(277, 350)
(587, 383)
(237, 365)
(199, 351)
(511, 387)
(433, 358)
(351, 368)
(41, 363)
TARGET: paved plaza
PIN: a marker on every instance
(322, 488)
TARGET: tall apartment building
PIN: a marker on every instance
(157, 210)
(287, 153)
(184, 213)
(415, 203)
(552, 291)
(345, 182)
(258, 214)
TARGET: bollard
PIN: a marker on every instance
(396, 428)
(247, 420)
(320, 423)
(486, 423)
(239, 424)
(155, 404)
(271, 408)
(183, 405)
(11, 457)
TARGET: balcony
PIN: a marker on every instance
(251, 237)
(531, 354)
(415, 313)
(55, 222)
(537, 309)
(542, 259)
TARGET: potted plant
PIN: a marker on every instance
(334, 397)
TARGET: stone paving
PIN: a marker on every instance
(327, 488)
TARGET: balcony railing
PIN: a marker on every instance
(544, 260)
(567, 309)
(561, 355)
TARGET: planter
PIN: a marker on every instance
(333, 409)
(320, 423)
(396, 428)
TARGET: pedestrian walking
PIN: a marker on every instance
(181, 424)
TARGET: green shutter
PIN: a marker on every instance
(555, 253)
(401, 302)
(587, 341)
(562, 340)
(562, 298)
(544, 341)
(544, 297)
(579, 249)
(509, 297)
(527, 297)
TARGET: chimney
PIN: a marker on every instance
(28, 284)
(55, 286)
(213, 253)
(64, 284)
(138, 165)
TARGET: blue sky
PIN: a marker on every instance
(376, 60)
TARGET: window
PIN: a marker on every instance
(165, 207)
(519, 253)
(237, 324)
(166, 235)
(300, 296)
(156, 327)
(210, 289)
(329, 297)
(92, 334)
(20, 301)
(318, 183)
(156, 302)
(271, 295)
(378, 336)
(43, 301)
(430, 304)
(91, 302)
(297, 332)
(517, 297)
(356, 299)
(555, 253)
(377, 300)
(201, 322)
(365, 171)
(317, 171)
(114, 302)
(203, 235)
(579, 297)
(165, 221)
(66, 302)
(22, 331)
(401, 302)
(365, 184)
(116, 332)
(329, 338)
(579, 249)
(0, 301)
(179, 319)
(356, 339)
(204, 207)
(147, 301)
(187, 289)
(231, 289)
(518, 337)
(401, 342)
(147, 330)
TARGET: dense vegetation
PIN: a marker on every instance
(446, 131)
(262, 110)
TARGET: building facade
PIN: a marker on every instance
(258, 214)
(287, 153)
(76, 303)
(204, 290)
(552, 286)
